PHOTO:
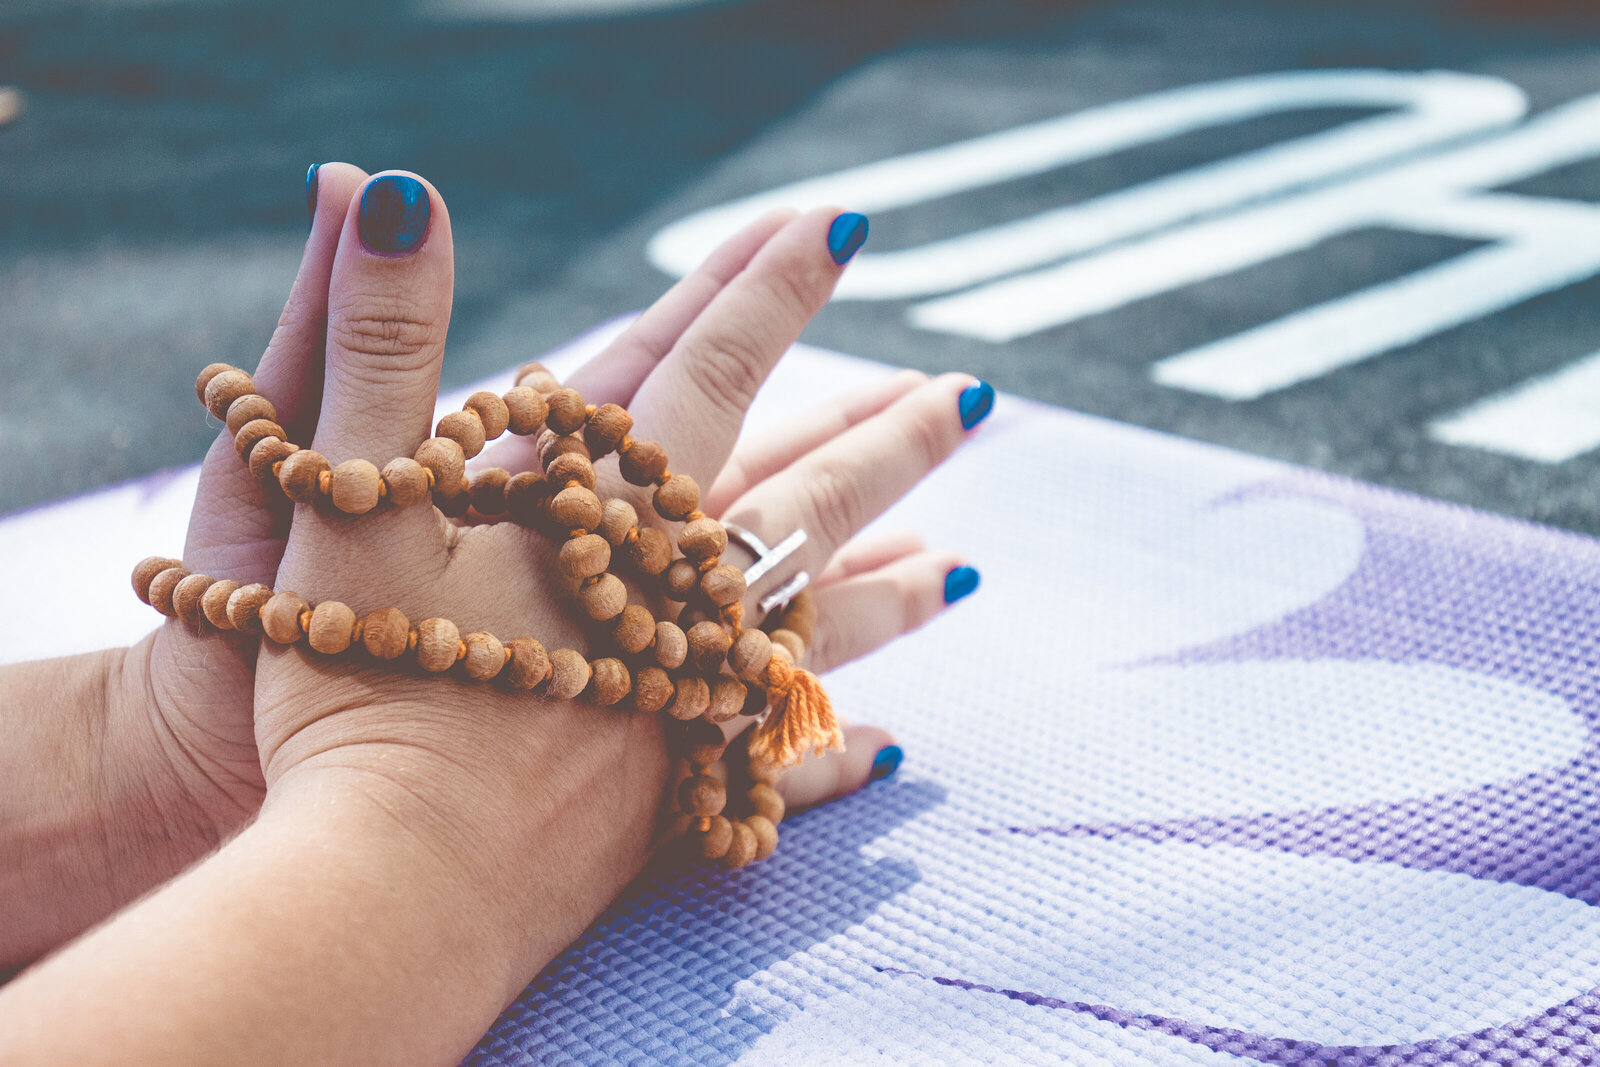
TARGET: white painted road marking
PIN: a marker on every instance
(1549, 419)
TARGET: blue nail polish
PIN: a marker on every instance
(847, 234)
(975, 404)
(394, 214)
(959, 583)
(311, 191)
(886, 762)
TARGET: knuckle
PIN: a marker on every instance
(836, 503)
(728, 373)
(391, 329)
(925, 438)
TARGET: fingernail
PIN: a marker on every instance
(975, 404)
(394, 214)
(886, 762)
(846, 235)
(311, 191)
(959, 583)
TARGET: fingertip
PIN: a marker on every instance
(394, 213)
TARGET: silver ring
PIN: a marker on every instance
(766, 559)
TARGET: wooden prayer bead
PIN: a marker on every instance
(569, 468)
(210, 371)
(493, 415)
(438, 644)
(680, 580)
(145, 571)
(801, 616)
(525, 410)
(386, 633)
(407, 482)
(676, 497)
(695, 614)
(529, 665)
(215, 603)
(445, 459)
(526, 496)
(280, 617)
(567, 411)
(651, 551)
(355, 487)
(605, 599)
(537, 377)
(617, 517)
(186, 596)
(610, 681)
(652, 688)
(268, 453)
(750, 655)
(465, 429)
(790, 642)
(162, 587)
(741, 849)
(702, 539)
(766, 802)
(301, 474)
(703, 742)
(672, 645)
(755, 701)
(569, 674)
(332, 627)
(702, 795)
(226, 387)
(486, 656)
(727, 699)
(249, 408)
(456, 503)
(576, 508)
(708, 646)
(489, 491)
(252, 432)
(635, 628)
(244, 607)
(605, 428)
(692, 698)
(766, 835)
(711, 843)
(552, 444)
(723, 585)
(586, 556)
(643, 463)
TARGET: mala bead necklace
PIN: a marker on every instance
(666, 666)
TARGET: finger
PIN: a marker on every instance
(869, 752)
(238, 525)
(861, 614)
(694, 402)
(868, 552)
(758, 460)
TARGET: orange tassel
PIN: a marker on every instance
(801, 719)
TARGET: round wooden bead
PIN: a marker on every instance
(332, 626)
(750, 655)
(267, 454)
(529, 665)
(186, 596)
(727, 699)
(465, 428)
(766, 835)
(576, 508)
(567, 411)
(651, 551)
(525, 410)
(489, 491)
(644, 463)
(355, 487)
(407, 481)
(445, 459)
(755, 702)
(249, 408)
(536, 376)
(676, 497)
(226, 387)
(723, 585)
(708, 645)
(438, 644)
(712, 842)
(605, 599)
(280, 617)
(252, 432)
(552, 444)
(652, 688)
(244, 607)
(680, 580)
(586, 556)
(790, 642)
(703, 742)
(493, 415)
(702, 539)
(301, 474)
(672, 645)
(695, 614)
(634, 629)
(741, 849)
(486, 656)
(526, 496)
(606, 428)
(215, 603)
(766, 802)
(617, 517)
(210, 371)
(386, 633)
(692, 698)
(456, 504)
(701, 794)
(570, 468)
(569, 674)
(162, 587)
(609, 681)
(145, 571)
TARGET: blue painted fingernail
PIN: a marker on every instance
(886, 762)
(975, 404)
(311, 191)
(959, 583)
(847, 234)
(394, 214)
